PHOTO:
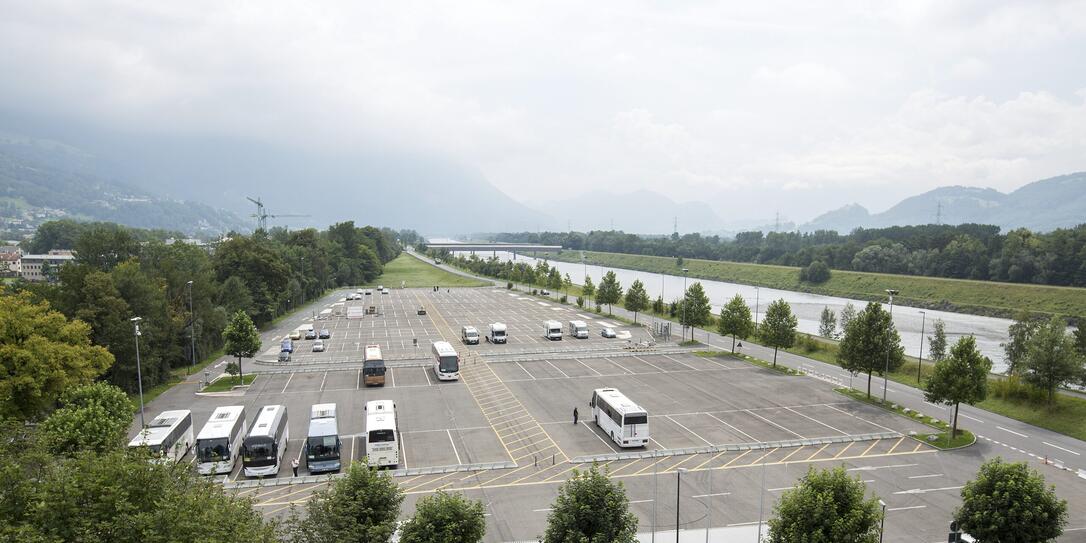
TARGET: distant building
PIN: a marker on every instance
(9, 264)
(43, 267)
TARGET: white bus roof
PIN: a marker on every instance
(222, 422)
(159, 428)
(578, 323)
(619, 401)
(553, 324)
(322, 410)
(323, 420)
(380, 415)
(266, 422)
(443, 348)
(373, 352)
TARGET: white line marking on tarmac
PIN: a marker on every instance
(323, 379)
(818, 421)
(713, 495)
(925, 476)
(873, 468)
(526, 371)
(780, 489)
(1061, 448)
(587, 366)
(963, 415)
(926, 490)
(906, 508)
(1013, 432)
(285, 385)
(427, 374)
(449, 433)
(774, 424)
(689, 430)
(605, 442)
(557, 368)
(732, 427)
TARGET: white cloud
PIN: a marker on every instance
(806, 77)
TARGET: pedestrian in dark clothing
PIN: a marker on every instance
(574, 415)
(294, 466)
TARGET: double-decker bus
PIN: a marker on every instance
(322, 443)
(626, 422)
(168, 437)
(373, 366)
(262, 450)
(382, 437)
(446, 361)
(220, 439)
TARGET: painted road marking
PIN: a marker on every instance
(1061, 448)
(1013, 432)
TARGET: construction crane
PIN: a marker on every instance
(262, 216)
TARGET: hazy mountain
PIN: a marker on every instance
(641, 212)
(1058, 202)
(43, 180)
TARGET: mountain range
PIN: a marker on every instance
(1057, 202)
(641, 211)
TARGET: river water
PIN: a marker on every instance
(989, 331)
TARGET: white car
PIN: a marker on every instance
(608, 332)
(318, 346)
(384, 290)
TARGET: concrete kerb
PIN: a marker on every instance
(406, 472)
(640, 455)
(569, 355)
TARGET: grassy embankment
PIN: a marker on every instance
(416, 273)
(228, 382)
(965, 296)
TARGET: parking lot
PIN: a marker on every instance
(504, 432)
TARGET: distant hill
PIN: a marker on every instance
(1041, 206)
(640, 212)
(42, 180)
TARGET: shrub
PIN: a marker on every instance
(580, 301)
(817, 272)
(509, 285)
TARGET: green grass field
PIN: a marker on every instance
(227, 382)
(977, 297)
(416, 273)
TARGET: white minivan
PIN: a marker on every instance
(552, 330)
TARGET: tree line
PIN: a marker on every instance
(966, 251)
(120, 272)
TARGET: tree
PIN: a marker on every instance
(778, 328)
(636, 298)
(696, 309)
(735, 320)
(566, 283)
(827, 323)
(847, 314)
(658, 305)
(610, 291)
(962, 377)
(826, 506)
(1009, 503)
(42, 355)
(868, 339)
(588, 289)
(1051, 359)
(445, 518)
(362, 507)
(240, 339)
(92, 417)
(591, 509)
(937, 342)
(817, 272)
(1018, 338)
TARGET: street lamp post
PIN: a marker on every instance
(882, 523)
(709, 507)
(920, 357)
(890, 326)
(756, 293)
(192, 328)
(139, 373)
(678, 488)
(684, 307)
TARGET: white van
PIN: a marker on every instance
(469, 335)
(496, 333)
(552, 330)
(578, 329)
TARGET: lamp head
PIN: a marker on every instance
(136, 319)
(892, 292)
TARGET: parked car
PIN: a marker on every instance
(324, 334)
(311, 334)
(318, 346)
(608, 332)
(284, 356)
(422, 311)
(384, 290)
(545, 292)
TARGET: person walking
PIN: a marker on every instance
(574, 415)
(294, 466)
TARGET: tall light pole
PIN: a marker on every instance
(684, 307)
(655, 485)
(882, 523)
(920, 357)
(192, 327)
(889, 327)
(756, 293)
(139, 373)
(678, 487)
(709, 507)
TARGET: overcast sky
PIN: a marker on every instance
(796, 106)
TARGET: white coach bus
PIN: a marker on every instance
(382, 439)
(220, 439)
(263, 449)
(168, 437)
(322, 445)
(626, 422)
(446, 361)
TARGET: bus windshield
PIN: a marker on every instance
(256, 450)
(213, 450)
(374, 367)
(448, 364)
(636, 418)
(323, 447)
(381, 436)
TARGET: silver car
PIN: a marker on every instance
(318, 346)
(608, 332)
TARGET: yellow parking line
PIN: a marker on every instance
(310, 488)
(624, 466)
(434, 480)
(524, 446)
(718, 455)
(521, 410)
(871, 447)
(512, 441)
(845, 449)
(818, 451)
(918, 445)
(785, 459)
(759, 460)
(891, 451)
(733, 460)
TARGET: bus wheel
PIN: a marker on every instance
(596, 419)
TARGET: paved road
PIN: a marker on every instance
(1015, 436)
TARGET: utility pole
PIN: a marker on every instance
(139, 374)
(920, 357)
(889, 327)
(192, 327)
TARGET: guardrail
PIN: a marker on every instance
(406, 472)
(569, 355)
(810, 370)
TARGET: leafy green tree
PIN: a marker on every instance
(240, 339)
(735, 320)
(937, 341)
(1009, 503)
(257, 262)
(1051, 359)
(827, 323)
(962, 377)
(588, 289)
(445, 518)
(778, 328)
(1016, 348)
(610, 291)
(234, 295)
(847, 314)
(1080, 335)
(827, 506)
(362, 506)
(591, 509)
(658, 305)
(868, 339)
(698, 310)
(42, 355)
(567, 283)
(816, 272)
(92, 417)
(636, 298)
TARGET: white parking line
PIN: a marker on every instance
(679, 361)
(906, 508)
(1061, 448)
(587, 366)
(773, 423)
(818, 421)
(689, 430)
(449, 433)
(713, 495)
(323, 379)
(427, 374)
(1013, 432)
(557, 368)
(930, 475)
(526, 371)
(752, 439)
(926, 490)
(285, 385)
